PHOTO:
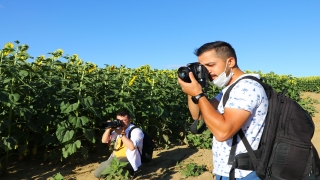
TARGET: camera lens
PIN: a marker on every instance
(183, 73)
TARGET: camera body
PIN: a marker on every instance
(199, 71)
(111, 124)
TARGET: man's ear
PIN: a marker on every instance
(231, 62)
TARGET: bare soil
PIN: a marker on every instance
(164, 165)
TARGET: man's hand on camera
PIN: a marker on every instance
(118, 131)
(193, 88)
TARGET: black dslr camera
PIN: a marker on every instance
(112, 124)
(199, 71)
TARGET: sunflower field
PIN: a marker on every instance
(52, 106)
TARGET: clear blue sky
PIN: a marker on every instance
(280, 36)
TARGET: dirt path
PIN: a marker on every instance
(164, 165)
(316, 120)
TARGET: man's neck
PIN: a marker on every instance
(126, 126)
(236, 74)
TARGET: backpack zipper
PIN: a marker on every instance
(310, 171)
(268, 172)
(311, 158)
(273, 125)
(294, 143)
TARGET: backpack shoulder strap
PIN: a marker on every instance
(265, 86)
(129, 135)
(240, 132)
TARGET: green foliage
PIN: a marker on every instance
(192, 169)
(309, 84)
(116, 170)
(294, 87)
(52, 106)
(57, 176)
(307, 104)
(202, 141)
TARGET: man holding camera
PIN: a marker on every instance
(245, 109)
(125, 149)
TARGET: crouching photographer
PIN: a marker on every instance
(125, 149)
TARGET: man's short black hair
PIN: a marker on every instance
(223, 49)
(124, 112)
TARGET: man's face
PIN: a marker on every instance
(126, 121)
(215, 65)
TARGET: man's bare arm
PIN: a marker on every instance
(223, 126)
(194, 108)
(106, 136)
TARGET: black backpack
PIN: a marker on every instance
(285, 150)
(147, 148)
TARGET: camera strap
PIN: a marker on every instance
(119, 140)
(194, 127)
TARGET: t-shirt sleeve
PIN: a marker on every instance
(246, 95)
(136, 136)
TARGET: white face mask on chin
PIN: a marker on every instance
(223, 79)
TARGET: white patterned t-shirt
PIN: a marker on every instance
(250, 96)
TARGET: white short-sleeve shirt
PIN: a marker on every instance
(250, 96)
(137, 136)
